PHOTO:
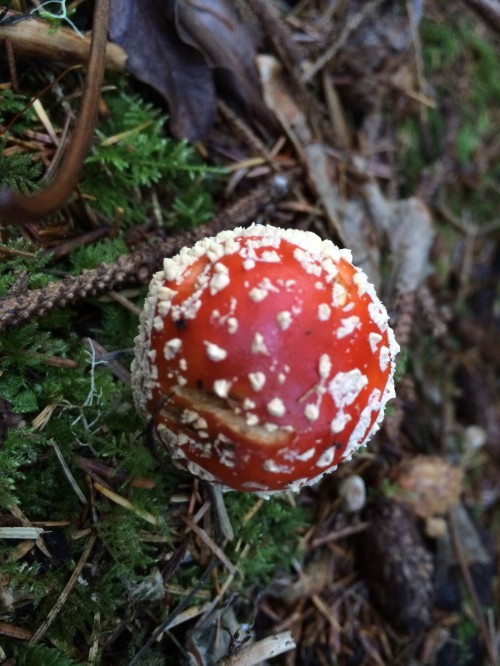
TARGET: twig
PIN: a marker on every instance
(488, 10)
(137, 267)
(19, 633)
(123, 300)
(339, 534)
(271, 20)
(291, 56)
(248, 135)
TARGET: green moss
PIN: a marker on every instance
(272, 536)
(459, 49)
(13, 107)
(117, 328)
(19, 171)
(41, 655)
(92, 416)
(90, 256)
(134, 153)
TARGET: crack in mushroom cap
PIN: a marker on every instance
(277, 345)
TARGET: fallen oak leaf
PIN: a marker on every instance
(157, 56)
(216, 29)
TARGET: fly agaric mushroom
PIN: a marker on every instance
(264, 358)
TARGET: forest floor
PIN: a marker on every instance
(374, 124)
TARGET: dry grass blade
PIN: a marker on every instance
(68, 474)
(17, 512)
(125, 503)
(21, 532)
(330, 53)
(267, 648)
(56, 609)
(199, 531)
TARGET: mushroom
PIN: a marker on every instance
(264, 358)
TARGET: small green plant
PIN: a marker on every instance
(134, 153)
(41, 655)
(18, 171)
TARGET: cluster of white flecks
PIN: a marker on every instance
(256, 245)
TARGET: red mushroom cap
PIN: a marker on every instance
(264, 357)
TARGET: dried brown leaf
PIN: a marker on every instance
(409, 228)
(159, 57)
(432, 485)
(215, 28)
(186, 49)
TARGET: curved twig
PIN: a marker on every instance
(16, 208)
